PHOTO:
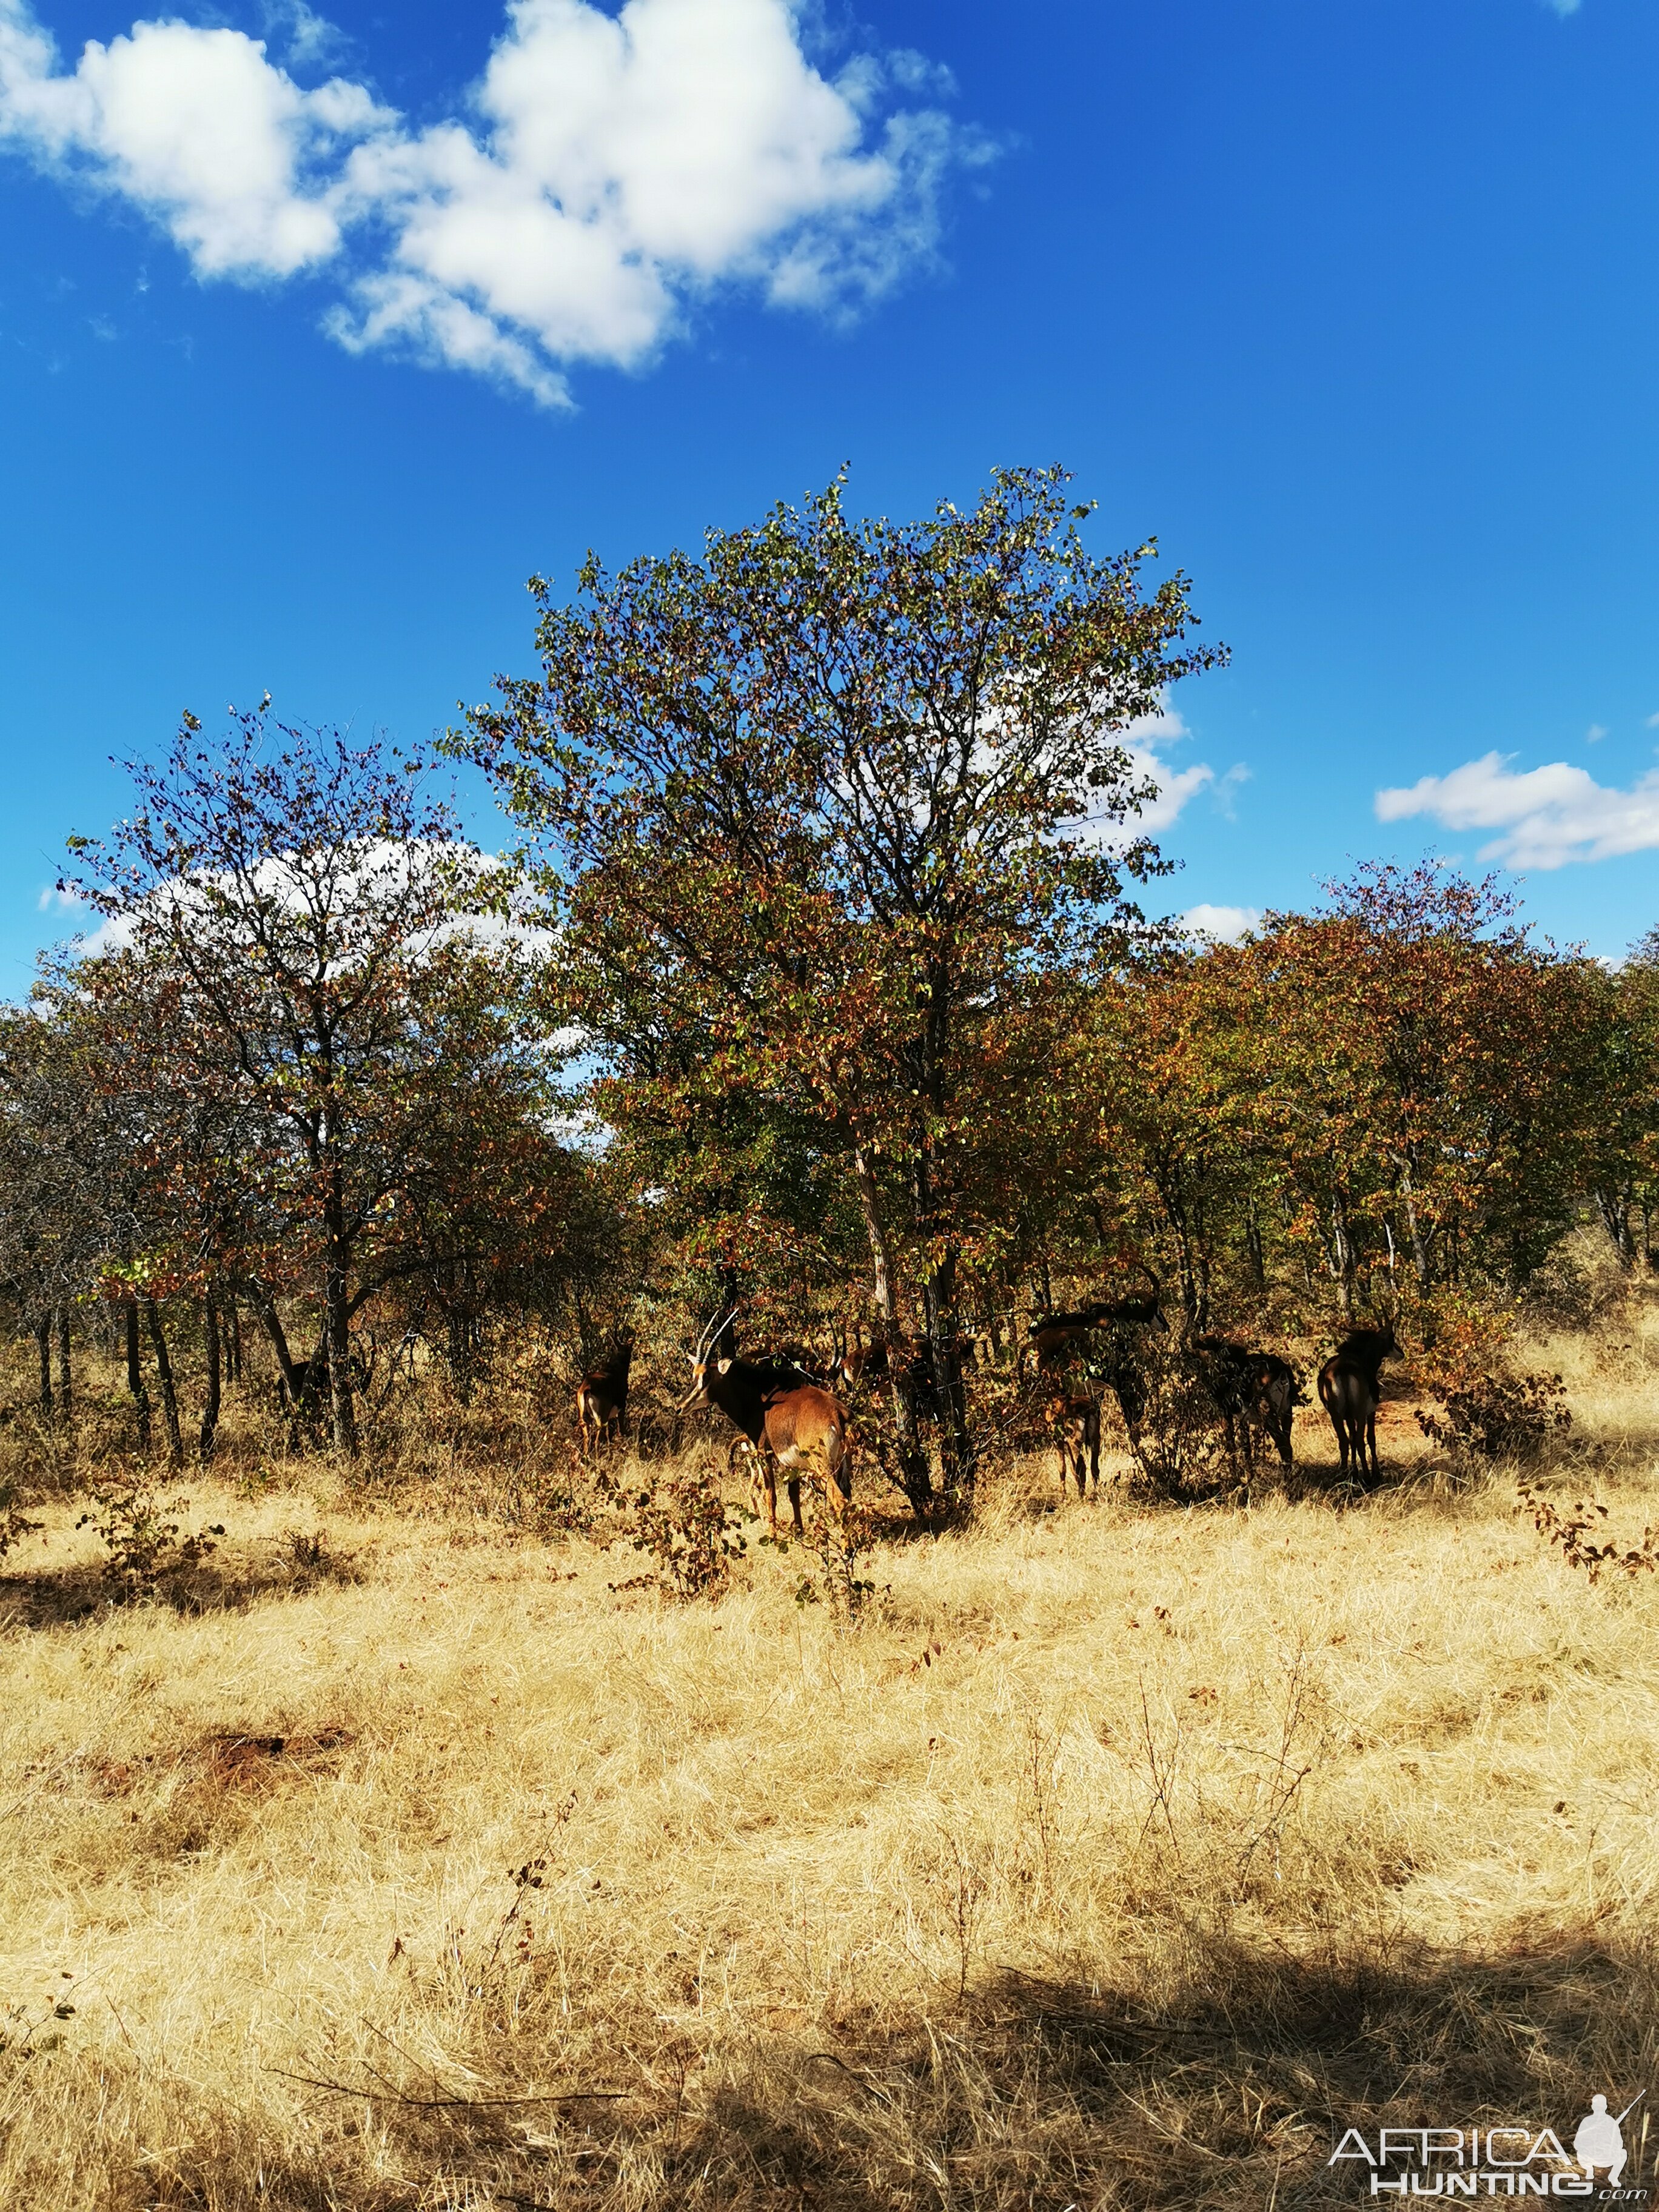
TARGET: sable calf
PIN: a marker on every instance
(602, 1399)
(1349, 1391)
(1077, 1439)
(791, 1423)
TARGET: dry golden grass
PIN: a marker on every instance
(1112, 1853)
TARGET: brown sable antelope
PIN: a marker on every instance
(1077, 1439)
(862, 1363)
(1249, 1388)
(859, 1364)
(602, 1399)
(1349, 1390)
(791, 1423)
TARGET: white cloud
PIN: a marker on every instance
(1227, 924)
(1563, 7)
(1546, 817)
(612, 171)
(1146, 742)
(310, 39)
(1596, 731)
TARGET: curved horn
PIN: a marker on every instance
(711, 1335)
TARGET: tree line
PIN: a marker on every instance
(820, 980)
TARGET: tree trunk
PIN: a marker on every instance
(460, 1353)
(232, 1339)
(63, 1360)
(164, 1376)
(338, 1324)
(1254, 1247)
(271, 1321)
(294, 1388)
(1414, 1228)
(938, 1301)
(1614, 1207)
(210, 1346)
(913, 1458)
(1343, 1258)
(950, 1398)
(43, 1346)
(136, 1389)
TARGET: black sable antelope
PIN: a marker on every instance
(790, 1423)
(602, 1399)
(1106, 1334)
(1058, 1338)
(1349, 1390)
(1250, 1388)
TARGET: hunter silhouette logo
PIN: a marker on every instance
(1601, 2140)
(1497, 2162)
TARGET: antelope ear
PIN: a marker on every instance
(724, 1366)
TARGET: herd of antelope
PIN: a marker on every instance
(794, 1422)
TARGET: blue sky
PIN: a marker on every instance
(310, 354)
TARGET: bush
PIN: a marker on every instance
(1571, 1530)
(14, 1526)
(1497, 1416)
(1180, 1445)
(837, 1542)
(694, 1537)
(146, 1551)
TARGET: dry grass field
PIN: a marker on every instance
(1104, 1858)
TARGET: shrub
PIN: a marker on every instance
(1571, 1530)
(1497, 1416)
(836, 1542)
(14, 1525)
(146, 1551)
(694, 1537)
(1180, 1445)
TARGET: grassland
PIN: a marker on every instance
(1105, 1858)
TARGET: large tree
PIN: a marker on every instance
(296, 952)
(813, 812)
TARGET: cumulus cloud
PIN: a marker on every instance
(608, 173)
(1228, 925)
(1146, 742)
(1544, 817)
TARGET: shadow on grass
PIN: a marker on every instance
(1034, 2095)
(286, 1567)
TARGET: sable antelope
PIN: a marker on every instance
(1349, 1391)
(1249, 1387)
(1077, 1439)
(1278, 1392)
(1056, 1338)
(602, 1399)
(872, 1363)
(795, 1359)
(790, 1423)
(859, 1362)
